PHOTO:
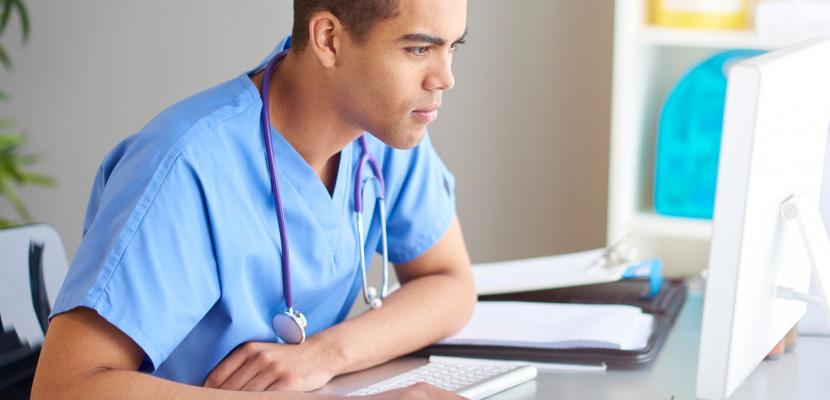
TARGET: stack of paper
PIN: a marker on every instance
(550, 272)
(556, 326)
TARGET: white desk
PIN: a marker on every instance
(802, 374)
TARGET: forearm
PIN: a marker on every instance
(127, 385)
(421, 312)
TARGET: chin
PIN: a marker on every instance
(404, 140)
(411, 139)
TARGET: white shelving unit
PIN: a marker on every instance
(648, 60)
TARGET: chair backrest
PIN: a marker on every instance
(33, 265)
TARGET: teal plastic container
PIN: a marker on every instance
(688, 139)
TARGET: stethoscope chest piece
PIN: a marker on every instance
(290, 326)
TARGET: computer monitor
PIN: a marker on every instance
(768, 239)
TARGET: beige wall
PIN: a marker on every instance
(525, 131)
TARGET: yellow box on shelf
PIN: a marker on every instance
(703, 14)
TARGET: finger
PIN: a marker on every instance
(244, 374)
(284, 383)
(791, 339)
(227, 367)
(261, 382)
(776, 351)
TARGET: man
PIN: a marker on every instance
(180, 270)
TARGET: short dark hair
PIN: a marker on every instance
(358, 16)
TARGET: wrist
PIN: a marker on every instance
(330, 352)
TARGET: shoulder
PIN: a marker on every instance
(233, 105)
(198, 127)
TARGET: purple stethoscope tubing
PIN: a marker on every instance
(370, 295)
(293, 322)
(275, 186)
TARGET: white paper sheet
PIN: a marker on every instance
(543, 273)
(541, 366)
(556, 326)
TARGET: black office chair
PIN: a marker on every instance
(31, 254)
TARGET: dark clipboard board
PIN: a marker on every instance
(665, 307)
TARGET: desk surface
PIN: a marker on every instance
(802, 374)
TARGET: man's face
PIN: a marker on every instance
(391, 84)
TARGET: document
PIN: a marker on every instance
(552, 272)
(541, 366)
(556, 326)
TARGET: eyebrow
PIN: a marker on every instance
(422, 37)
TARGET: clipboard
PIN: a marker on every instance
(665, 307)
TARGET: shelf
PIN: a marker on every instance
(706, 38)
(652, 224)
(648, 61)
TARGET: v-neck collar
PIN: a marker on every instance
(292, 168)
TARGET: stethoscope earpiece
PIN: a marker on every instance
(375, 303)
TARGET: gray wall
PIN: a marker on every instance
(525, 130)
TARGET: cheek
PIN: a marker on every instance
(380, 97)
(389, 90)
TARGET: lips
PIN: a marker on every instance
(431, 108)
(426, 114)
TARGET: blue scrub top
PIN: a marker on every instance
(181, 248)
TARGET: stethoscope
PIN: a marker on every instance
(291, 324)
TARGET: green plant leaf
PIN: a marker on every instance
(11, 195)
(10, 141)
(7, 13)
(26, 159)
(24, 19)
(12, 172)
(7, 223)
(11, 166)
(31, 178)
(4, 58)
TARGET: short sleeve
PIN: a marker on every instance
(421, 196)
(146, 262)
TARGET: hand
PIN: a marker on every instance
(418, 391)
(785, 344)
(256, 366)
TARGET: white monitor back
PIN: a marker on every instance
(773, 146)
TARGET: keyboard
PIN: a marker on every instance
(468, 379)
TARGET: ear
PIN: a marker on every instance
(325, 34)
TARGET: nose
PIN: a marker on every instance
(441, 77)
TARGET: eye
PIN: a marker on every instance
(456, 45)
(418, 51)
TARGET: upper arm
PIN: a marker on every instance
(79, 343)
(420, 199)
(424, 233)
(149, 241)
(445, 269)
(448, 256)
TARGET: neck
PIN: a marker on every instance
(301, 109)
